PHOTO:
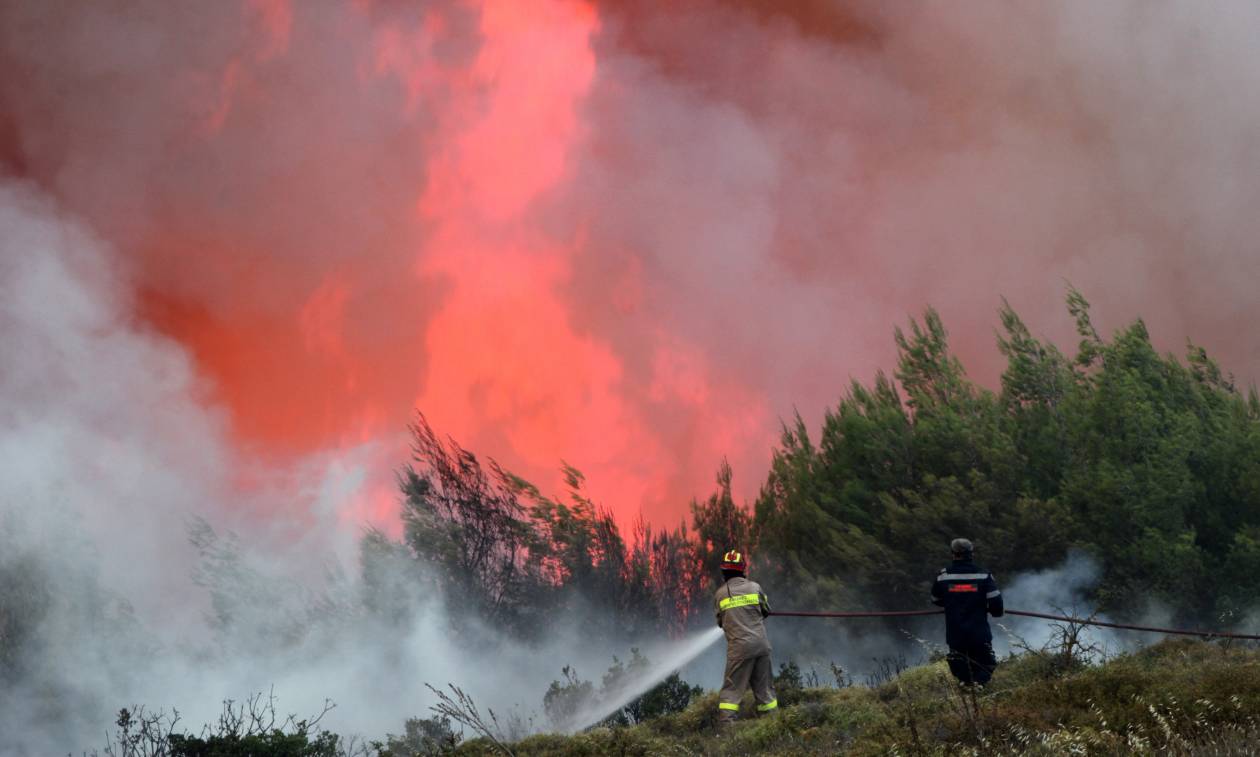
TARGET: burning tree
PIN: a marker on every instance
(470, 526)
(515, 555)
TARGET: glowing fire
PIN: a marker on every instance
(629, 235)
(472, 326)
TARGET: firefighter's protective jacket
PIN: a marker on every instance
(741, 608)
(967, 592)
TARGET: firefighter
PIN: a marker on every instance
(741, 611)
(968, 592)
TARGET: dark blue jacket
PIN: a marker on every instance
(967, 592)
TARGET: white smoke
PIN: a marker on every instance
(866, 649)
(102, 434)
(835, 184)
(108, 451)
(741, 230)
(1065, 591)
(668, 661)
(109, 455)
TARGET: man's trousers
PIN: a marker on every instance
(740, 674)
(973, 664)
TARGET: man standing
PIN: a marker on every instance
(741, 611)
(968, 592)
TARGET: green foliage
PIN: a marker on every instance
(669, 696)
(422, 737)
(244, 729)
(666, 698)
(789, 678)
(1149, 463)
(272, 744)
(720, 525)
(567, 697)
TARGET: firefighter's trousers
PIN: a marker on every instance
(740, 674)
(972, 664)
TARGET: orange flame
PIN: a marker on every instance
(470, 322)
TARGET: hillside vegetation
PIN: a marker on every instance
(1177, 697)
(1147, 463)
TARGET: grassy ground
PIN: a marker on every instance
(1178, 697)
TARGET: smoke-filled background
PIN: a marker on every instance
(241, 241)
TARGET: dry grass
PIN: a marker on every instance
(1175, 698)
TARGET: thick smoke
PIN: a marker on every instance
(239, 242)
(109, 457)
(779, 190)
(103, 435)
(545, 224)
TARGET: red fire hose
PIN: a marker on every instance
(1043, 616)
(888, 614)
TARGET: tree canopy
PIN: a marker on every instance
(1149, 463)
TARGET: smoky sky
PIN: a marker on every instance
(240, 242)
(631, 236)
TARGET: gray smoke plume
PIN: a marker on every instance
(108, 460)
(754, 193)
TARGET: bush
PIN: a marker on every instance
(273, 744)
(246, 729)
(422, 737)
(565, 698)
(788, 682)
(666, 698)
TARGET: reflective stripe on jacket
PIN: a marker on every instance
(741, 607)
(967, 592)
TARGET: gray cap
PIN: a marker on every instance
(961, 546)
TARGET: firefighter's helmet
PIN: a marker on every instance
(735, 560)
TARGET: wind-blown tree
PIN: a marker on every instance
(469, 525)
(578, 545)
(514, 556)
(666, 572)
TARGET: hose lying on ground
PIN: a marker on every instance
(1043, 616)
